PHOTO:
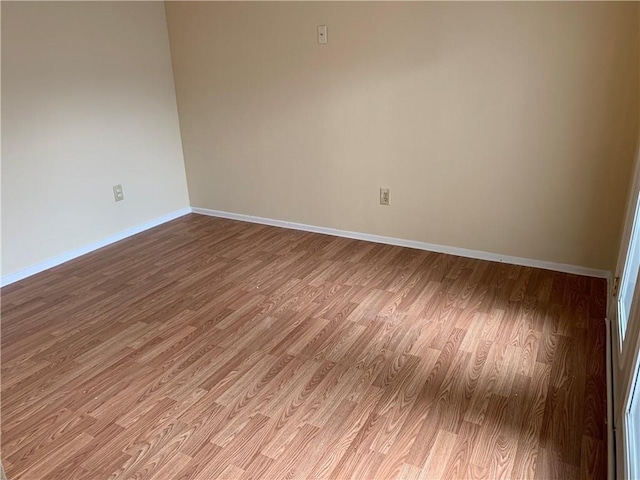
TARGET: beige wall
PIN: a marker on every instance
(88, 102)
(503, 127)
(630, 201)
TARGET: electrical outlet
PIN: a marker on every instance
(385, 196)
(118, 194)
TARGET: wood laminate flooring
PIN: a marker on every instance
(209, 348)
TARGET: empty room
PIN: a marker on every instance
(320, 240)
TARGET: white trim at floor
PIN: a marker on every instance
(77, 252)
(432, 247)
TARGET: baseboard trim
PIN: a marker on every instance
(77, 252)
(432, 247)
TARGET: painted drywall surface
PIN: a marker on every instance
(88, 102)
(502, 127)
(630, 200)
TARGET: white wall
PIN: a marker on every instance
(505, 127)
(88, 102)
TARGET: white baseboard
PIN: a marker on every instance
(70, 255)
(432, 247)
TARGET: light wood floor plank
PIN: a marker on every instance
(210, 348)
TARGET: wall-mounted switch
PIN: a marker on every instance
(118, 194)
(322, 34)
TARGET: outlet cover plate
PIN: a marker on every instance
(385, 196)
(118, 194)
